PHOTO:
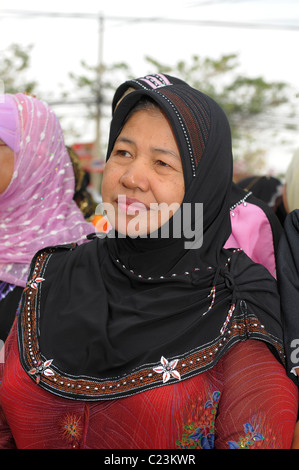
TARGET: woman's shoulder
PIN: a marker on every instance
(74, 249)
(58, 256)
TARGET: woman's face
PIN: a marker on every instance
(143, 181)
(6, 165)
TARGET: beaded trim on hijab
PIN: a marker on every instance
(43, 371)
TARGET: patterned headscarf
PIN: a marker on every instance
(37, 208)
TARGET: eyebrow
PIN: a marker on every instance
(154, 149)
(124, 139)
(167, 151)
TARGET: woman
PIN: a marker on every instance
(82, 196)
(291, 188)
(288, 257)
(154, 336)
(288, 268)
(255, 228)
(36, 194)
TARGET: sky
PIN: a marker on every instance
(133, 29)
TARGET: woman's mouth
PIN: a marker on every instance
(130, 206)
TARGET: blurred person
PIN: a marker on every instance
(153, 336)
(82, 196)
(37, 187)
(91, 209)
(288, 273)
(269, 189)
(291, 186)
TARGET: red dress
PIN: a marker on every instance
(244, 401)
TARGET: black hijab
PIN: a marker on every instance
(120, 315)
(239, 192)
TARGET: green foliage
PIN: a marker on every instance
(246, 101)
(249, 102)
(242, 98)
(95, 84)
(14, 63)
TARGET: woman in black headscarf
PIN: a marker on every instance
(288, 283)
(254, 225)
(154, 336)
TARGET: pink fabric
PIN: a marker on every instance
(252, 232)
(37, 209)
(9, 130)
(153, 79)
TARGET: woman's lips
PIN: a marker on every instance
(130, 206)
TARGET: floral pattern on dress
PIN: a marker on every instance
(71, 428)
(250, 438)
(200, 433)
(201, 436)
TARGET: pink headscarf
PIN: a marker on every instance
(37, 208)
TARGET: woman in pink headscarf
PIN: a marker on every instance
(36, 194)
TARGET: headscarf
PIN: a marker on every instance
(37, 208)
(292, 183)
(255, 228)
(121, 315)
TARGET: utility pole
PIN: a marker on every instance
(97, 149)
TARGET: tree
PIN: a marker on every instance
(96, 89)
(14, 64)
(250, 103)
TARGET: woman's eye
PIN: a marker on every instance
(123, 153)
(161, 163)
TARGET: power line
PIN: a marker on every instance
(221, 2)
(99, 17)
(269, 118)
(186, 22)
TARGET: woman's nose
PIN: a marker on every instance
(135, 176)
